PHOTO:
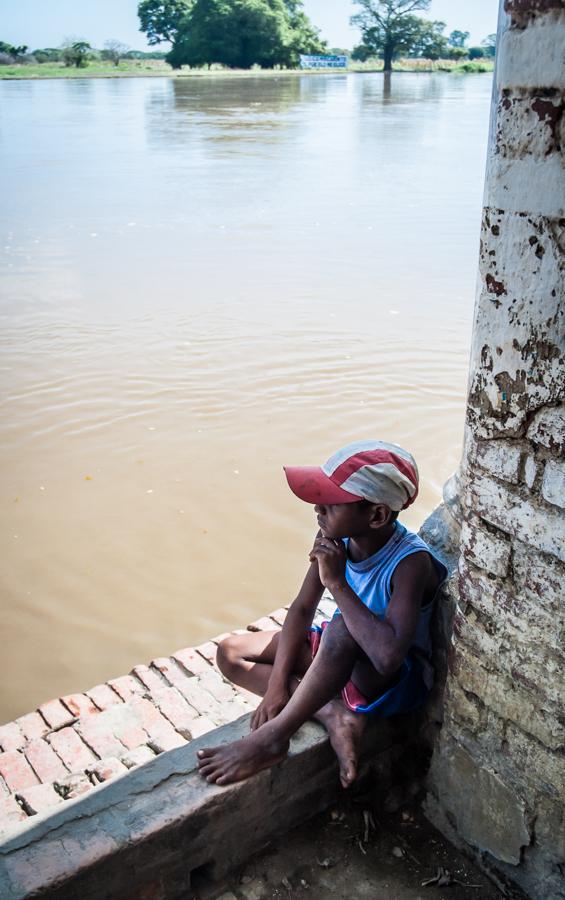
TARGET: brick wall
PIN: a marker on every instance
(497, 782)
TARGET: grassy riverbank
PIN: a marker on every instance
(158, 67)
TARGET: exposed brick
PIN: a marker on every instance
(207, 650)
(547, 429)
(149, 677)
(228, 712)
(138, 757)
(162, 743)
(533, 761)
(124, 723)
(463, 707)
(220, 637)
(73, 785)
(201, 725)
(540, 528)
(526, 125)
(530, 471)
(191, 660)
(79, 704)
(33, 726)
(44, 761)
(161, 732)
(213, 682)
(198, 697)
(251, 700)
(39, 799)
(72, 750)
(175, 708)
(106, 769)
(485, 550)
(55, 714)
(537, 578)
(319, 617)
(327, 606)
(16, 771)
(11, 738)
(500, 458)
(95, 732)
(262, 624)
(10, 813)
(103, 696)
(279, 615)
(502, 628)
(173, 674)
(553, 483)
(504, 695)
(126, 686)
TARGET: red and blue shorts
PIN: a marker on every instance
(408, 693)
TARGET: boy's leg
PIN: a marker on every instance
(247, 659)
(328, 673)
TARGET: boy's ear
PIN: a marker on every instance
(381, 515)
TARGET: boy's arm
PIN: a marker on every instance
(291, 641)
(385, 641)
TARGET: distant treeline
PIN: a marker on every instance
(266, 33)
(73, 53)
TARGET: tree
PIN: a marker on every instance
(243, 33)
(48, 54)
(458, 38)
(15, 52)
(75, 53)
(428, 40)
(114, 51)
(489, 44)
(162, 19)
(477, 52)
(305, 37)
(388, 26)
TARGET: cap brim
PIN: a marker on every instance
(312, 485)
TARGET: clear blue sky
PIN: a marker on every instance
(44, 23)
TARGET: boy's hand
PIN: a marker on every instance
(331, 557)
(272, 703)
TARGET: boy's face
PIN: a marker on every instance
(339, 520)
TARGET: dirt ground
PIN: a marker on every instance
(354, 853)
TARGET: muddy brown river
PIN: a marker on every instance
(203, 280)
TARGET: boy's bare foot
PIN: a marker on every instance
(344, 728)
(241, 759)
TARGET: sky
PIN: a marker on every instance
(44, 23)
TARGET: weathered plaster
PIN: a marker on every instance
(497, 782)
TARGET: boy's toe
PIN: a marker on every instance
(206, 752)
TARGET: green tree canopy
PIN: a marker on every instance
(428, 40)
(75, 53)
(389, 27)
(458, 38)
(489, 44)
(243, 33)
(16, 52)
(162, 19)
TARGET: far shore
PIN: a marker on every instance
(160, 69)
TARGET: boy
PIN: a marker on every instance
(374, 651)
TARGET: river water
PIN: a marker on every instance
(203, 280)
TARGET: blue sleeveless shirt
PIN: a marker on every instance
(371, 578)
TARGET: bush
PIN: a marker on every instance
(474, 67)
(6, 59)
(476, 53)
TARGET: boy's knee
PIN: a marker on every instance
(337, 638)
(228, 654)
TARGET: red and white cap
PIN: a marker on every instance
(365, 470)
